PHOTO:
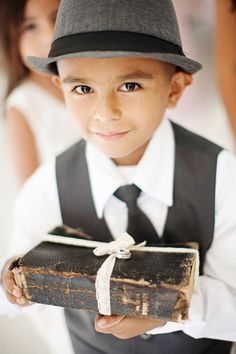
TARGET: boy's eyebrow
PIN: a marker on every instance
(72, 79)
(135, 75)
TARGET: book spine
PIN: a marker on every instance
(78, 291)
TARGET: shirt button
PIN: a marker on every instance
(146, 336)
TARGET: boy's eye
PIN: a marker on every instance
(83, 89)
(130, 86)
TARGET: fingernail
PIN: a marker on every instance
(102, 322)
(16, 292)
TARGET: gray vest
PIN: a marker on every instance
(191, 218)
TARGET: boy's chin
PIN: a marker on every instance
(121, 154)
(125, 159)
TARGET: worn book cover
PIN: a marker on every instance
(155, 282)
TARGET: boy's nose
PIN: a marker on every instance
(107, 109)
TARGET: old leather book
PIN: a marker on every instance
(156, 283)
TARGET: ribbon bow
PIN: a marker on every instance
(115, 249)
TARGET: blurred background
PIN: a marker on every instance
(200, 110)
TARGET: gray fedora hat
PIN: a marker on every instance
(112, 28)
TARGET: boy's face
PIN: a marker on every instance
(119, 102)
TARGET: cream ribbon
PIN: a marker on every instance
(102, 284)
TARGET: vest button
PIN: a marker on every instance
(146, 336)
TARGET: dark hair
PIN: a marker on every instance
(11, 18)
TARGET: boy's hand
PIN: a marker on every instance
(13, 292)
(124, 327)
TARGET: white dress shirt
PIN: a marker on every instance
(213, 306)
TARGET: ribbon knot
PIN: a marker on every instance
(115, 249)
(123, 242)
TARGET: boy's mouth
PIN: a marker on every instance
(108, 136)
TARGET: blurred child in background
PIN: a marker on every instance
(37, 122)
(225, 52)
(197, 26)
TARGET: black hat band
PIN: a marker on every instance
(112, 41)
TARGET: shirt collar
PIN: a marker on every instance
(154, 173)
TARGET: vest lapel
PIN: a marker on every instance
(75, 196)
(191, 218)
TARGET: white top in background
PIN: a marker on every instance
(53, 129)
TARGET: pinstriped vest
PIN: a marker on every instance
(191, 218)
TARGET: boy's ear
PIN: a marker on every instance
(179, 81)
(57, 81)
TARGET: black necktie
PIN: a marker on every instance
(139, 226)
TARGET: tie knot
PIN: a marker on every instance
(128, 194)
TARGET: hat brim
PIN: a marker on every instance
(48, 65)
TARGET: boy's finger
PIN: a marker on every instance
(108, 321)
(22, 301)
(17, 292)
(10, 286)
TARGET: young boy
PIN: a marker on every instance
(120, 65)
